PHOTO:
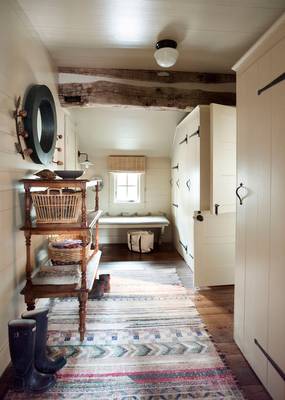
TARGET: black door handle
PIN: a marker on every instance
(237, 190)
(199, 216)
(188, 184)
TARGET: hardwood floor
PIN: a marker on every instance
(215, 306)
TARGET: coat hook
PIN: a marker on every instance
(28, 152)
(57, 162)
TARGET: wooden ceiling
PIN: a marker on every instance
(211, 34)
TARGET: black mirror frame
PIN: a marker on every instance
(39, 97)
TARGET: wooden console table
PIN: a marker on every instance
(89, 265)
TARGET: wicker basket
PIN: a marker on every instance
(67, 256)
(56, 208)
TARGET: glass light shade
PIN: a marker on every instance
(86, 164)
(166, 56)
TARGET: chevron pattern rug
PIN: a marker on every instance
(145, 341)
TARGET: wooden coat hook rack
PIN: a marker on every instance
(21, 133)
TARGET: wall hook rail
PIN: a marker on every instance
(20, 131)
(175, 166)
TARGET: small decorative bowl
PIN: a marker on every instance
(46, 174)
(69, 174)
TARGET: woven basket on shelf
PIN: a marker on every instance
(67, 256)
(56, 208)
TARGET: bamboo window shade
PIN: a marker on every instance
(126, 163)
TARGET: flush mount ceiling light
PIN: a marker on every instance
(166, 53)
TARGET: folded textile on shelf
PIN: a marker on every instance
(58, 275)
(67, 244)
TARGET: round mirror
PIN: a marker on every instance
(40, 124)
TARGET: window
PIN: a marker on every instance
(126, 187)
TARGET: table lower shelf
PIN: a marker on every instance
(42, 291)
(67, 228)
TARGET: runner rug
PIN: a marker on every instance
(145, 341)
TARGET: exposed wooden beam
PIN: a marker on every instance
(152, 75)
(113, 93)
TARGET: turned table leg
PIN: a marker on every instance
(30, 302)
(28, 258)
(82, 314)
(83, 296)
(29, 299)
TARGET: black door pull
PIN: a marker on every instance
(199, 216)
(188, 184)
(237, 190)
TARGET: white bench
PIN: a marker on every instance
(135, 222)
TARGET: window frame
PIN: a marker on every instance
(138, 187)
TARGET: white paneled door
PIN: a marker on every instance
(223, 158)
(206, 241)
(189, 183)
(276, 302)
(260, 250)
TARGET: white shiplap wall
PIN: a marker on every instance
(23, 62)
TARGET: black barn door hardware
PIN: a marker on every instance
(72, 99)
(199, 216)
(175, 205)
(217, 209)
(177, 183)
(185, 140)
(188, 184)
(272, 362)
(275, 81)
(237, 190)
(183, 245)
(197, 133)
(175, 166)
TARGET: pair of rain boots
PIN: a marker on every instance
(33, 369)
